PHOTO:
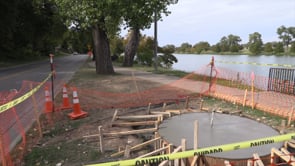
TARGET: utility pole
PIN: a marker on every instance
(155, 42)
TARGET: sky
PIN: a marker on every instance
(193, 21)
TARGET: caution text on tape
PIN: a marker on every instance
(202, 151)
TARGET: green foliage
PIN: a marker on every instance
(117, 45)
(28, 31)
(216, 48)
(167, 59)
(145, 51)
(185, 48)
(286, 35)
(229, 44)
(201, 46)
(139, 13)
(268, 47)
(255, 43)
(279, 47)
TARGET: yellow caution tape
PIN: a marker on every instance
(203, 151)
(15, 102)
(258, 64)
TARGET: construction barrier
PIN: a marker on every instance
(15, 119)
(202, 151)
(15, 102)
(230, 85)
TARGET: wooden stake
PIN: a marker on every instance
(164, 106)
(114, 117)
(245, 97)
(201, 104)
(137, 147)
(257, 160)
(36, 113)
(196, 134)
(285, 156)
(177, 112)
(149, 109)
(131, 132)
(161, 113)
(127, 151)
(290, 117)
(100, 139)
(283, 126)
(154, 152)
(157, 143)
(126, 124)
(138, 117)
(183, 148)
(186, 102)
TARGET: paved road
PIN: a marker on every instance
(13, 77)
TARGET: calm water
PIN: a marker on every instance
(192, 62)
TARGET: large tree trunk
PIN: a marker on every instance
(102, 52)
(131, 47)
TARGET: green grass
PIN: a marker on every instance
(62, 152)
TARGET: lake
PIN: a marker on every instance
(260, 65)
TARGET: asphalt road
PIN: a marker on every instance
(65, 67)
(13, 78)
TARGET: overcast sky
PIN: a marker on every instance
(193, 21)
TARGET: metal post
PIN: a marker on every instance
(155, 42)
(52, 80)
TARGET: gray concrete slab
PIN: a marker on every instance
(226, 129)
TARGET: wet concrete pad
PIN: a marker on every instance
(225, 129)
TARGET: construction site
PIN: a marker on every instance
(210, 117)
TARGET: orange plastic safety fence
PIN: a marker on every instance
(14, 122)
(238, 87)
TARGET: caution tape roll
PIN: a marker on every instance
(15, 102)
(203, 151)
(257, 64)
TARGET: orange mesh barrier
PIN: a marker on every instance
(209, 80)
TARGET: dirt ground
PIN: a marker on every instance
(69, 142)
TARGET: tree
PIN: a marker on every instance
(103, 18)
(233, 43)
(279, 47)
(145, 51)
(138, 15)
(286, 35)
(216, 48)
(229, 43)
(223, 44)
(168, 59)
(185, 48)
(28, 30)
(255, 43)
(117, 45)
(201, 46)
(268, 47)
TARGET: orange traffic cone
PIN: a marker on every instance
(65, 99)
(48, 101)
(77, 112)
